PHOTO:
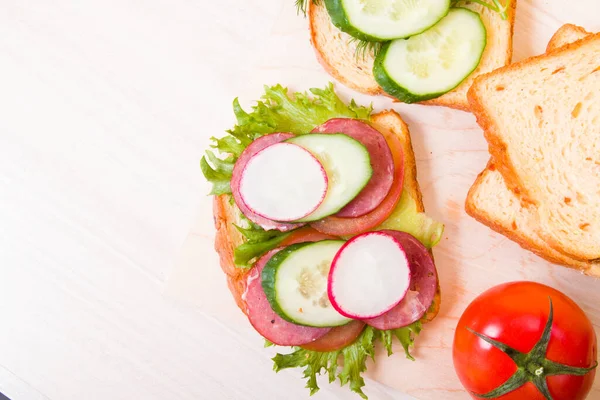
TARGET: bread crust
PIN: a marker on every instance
(560, 39)
(324, 61)
(227, 238)
(225, 213)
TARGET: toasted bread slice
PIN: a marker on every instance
(336, 51)
(226, 213)
(493, 204)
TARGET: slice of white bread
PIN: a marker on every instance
(546, 143)
(493, 204)
(226, 213)
(336, 51)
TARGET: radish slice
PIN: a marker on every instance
(283, 182)
(259, 144)
(369, 276)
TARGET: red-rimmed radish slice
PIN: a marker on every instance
(254, 147)
(422, 290)
(369, 276)
(283, 182)
(382, 163)
(266, 321)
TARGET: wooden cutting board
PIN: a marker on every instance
(450, 152)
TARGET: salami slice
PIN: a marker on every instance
(381, 161)
(256, 146)
(422, 288)
(266, 321)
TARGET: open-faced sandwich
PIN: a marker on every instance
(321, 230)
(426, 51)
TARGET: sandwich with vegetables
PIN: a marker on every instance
(321, 230)
(426, 51)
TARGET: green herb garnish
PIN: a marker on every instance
(365, 49)
(302, 5)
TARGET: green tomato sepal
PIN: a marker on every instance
(532, 367)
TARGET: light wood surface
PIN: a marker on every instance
(105, 109)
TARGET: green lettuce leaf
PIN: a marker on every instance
(219, 174)
(257, 242)
(406, 218)
(278, 111)
(352, 358)
(245, 253)
(405, 335)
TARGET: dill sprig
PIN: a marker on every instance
(364, 48)
(302, 5)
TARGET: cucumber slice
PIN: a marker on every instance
(382, 20)
(295, 283)
(430, 64)
(348, 167)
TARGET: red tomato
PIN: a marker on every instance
(337, 338)
(516, 314)
(354, 226)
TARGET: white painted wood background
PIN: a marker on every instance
(105, 109)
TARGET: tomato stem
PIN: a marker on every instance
(535, 369)
(532, 367)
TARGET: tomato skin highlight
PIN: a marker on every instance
(515, 314)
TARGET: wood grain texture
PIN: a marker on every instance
(106, 107)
